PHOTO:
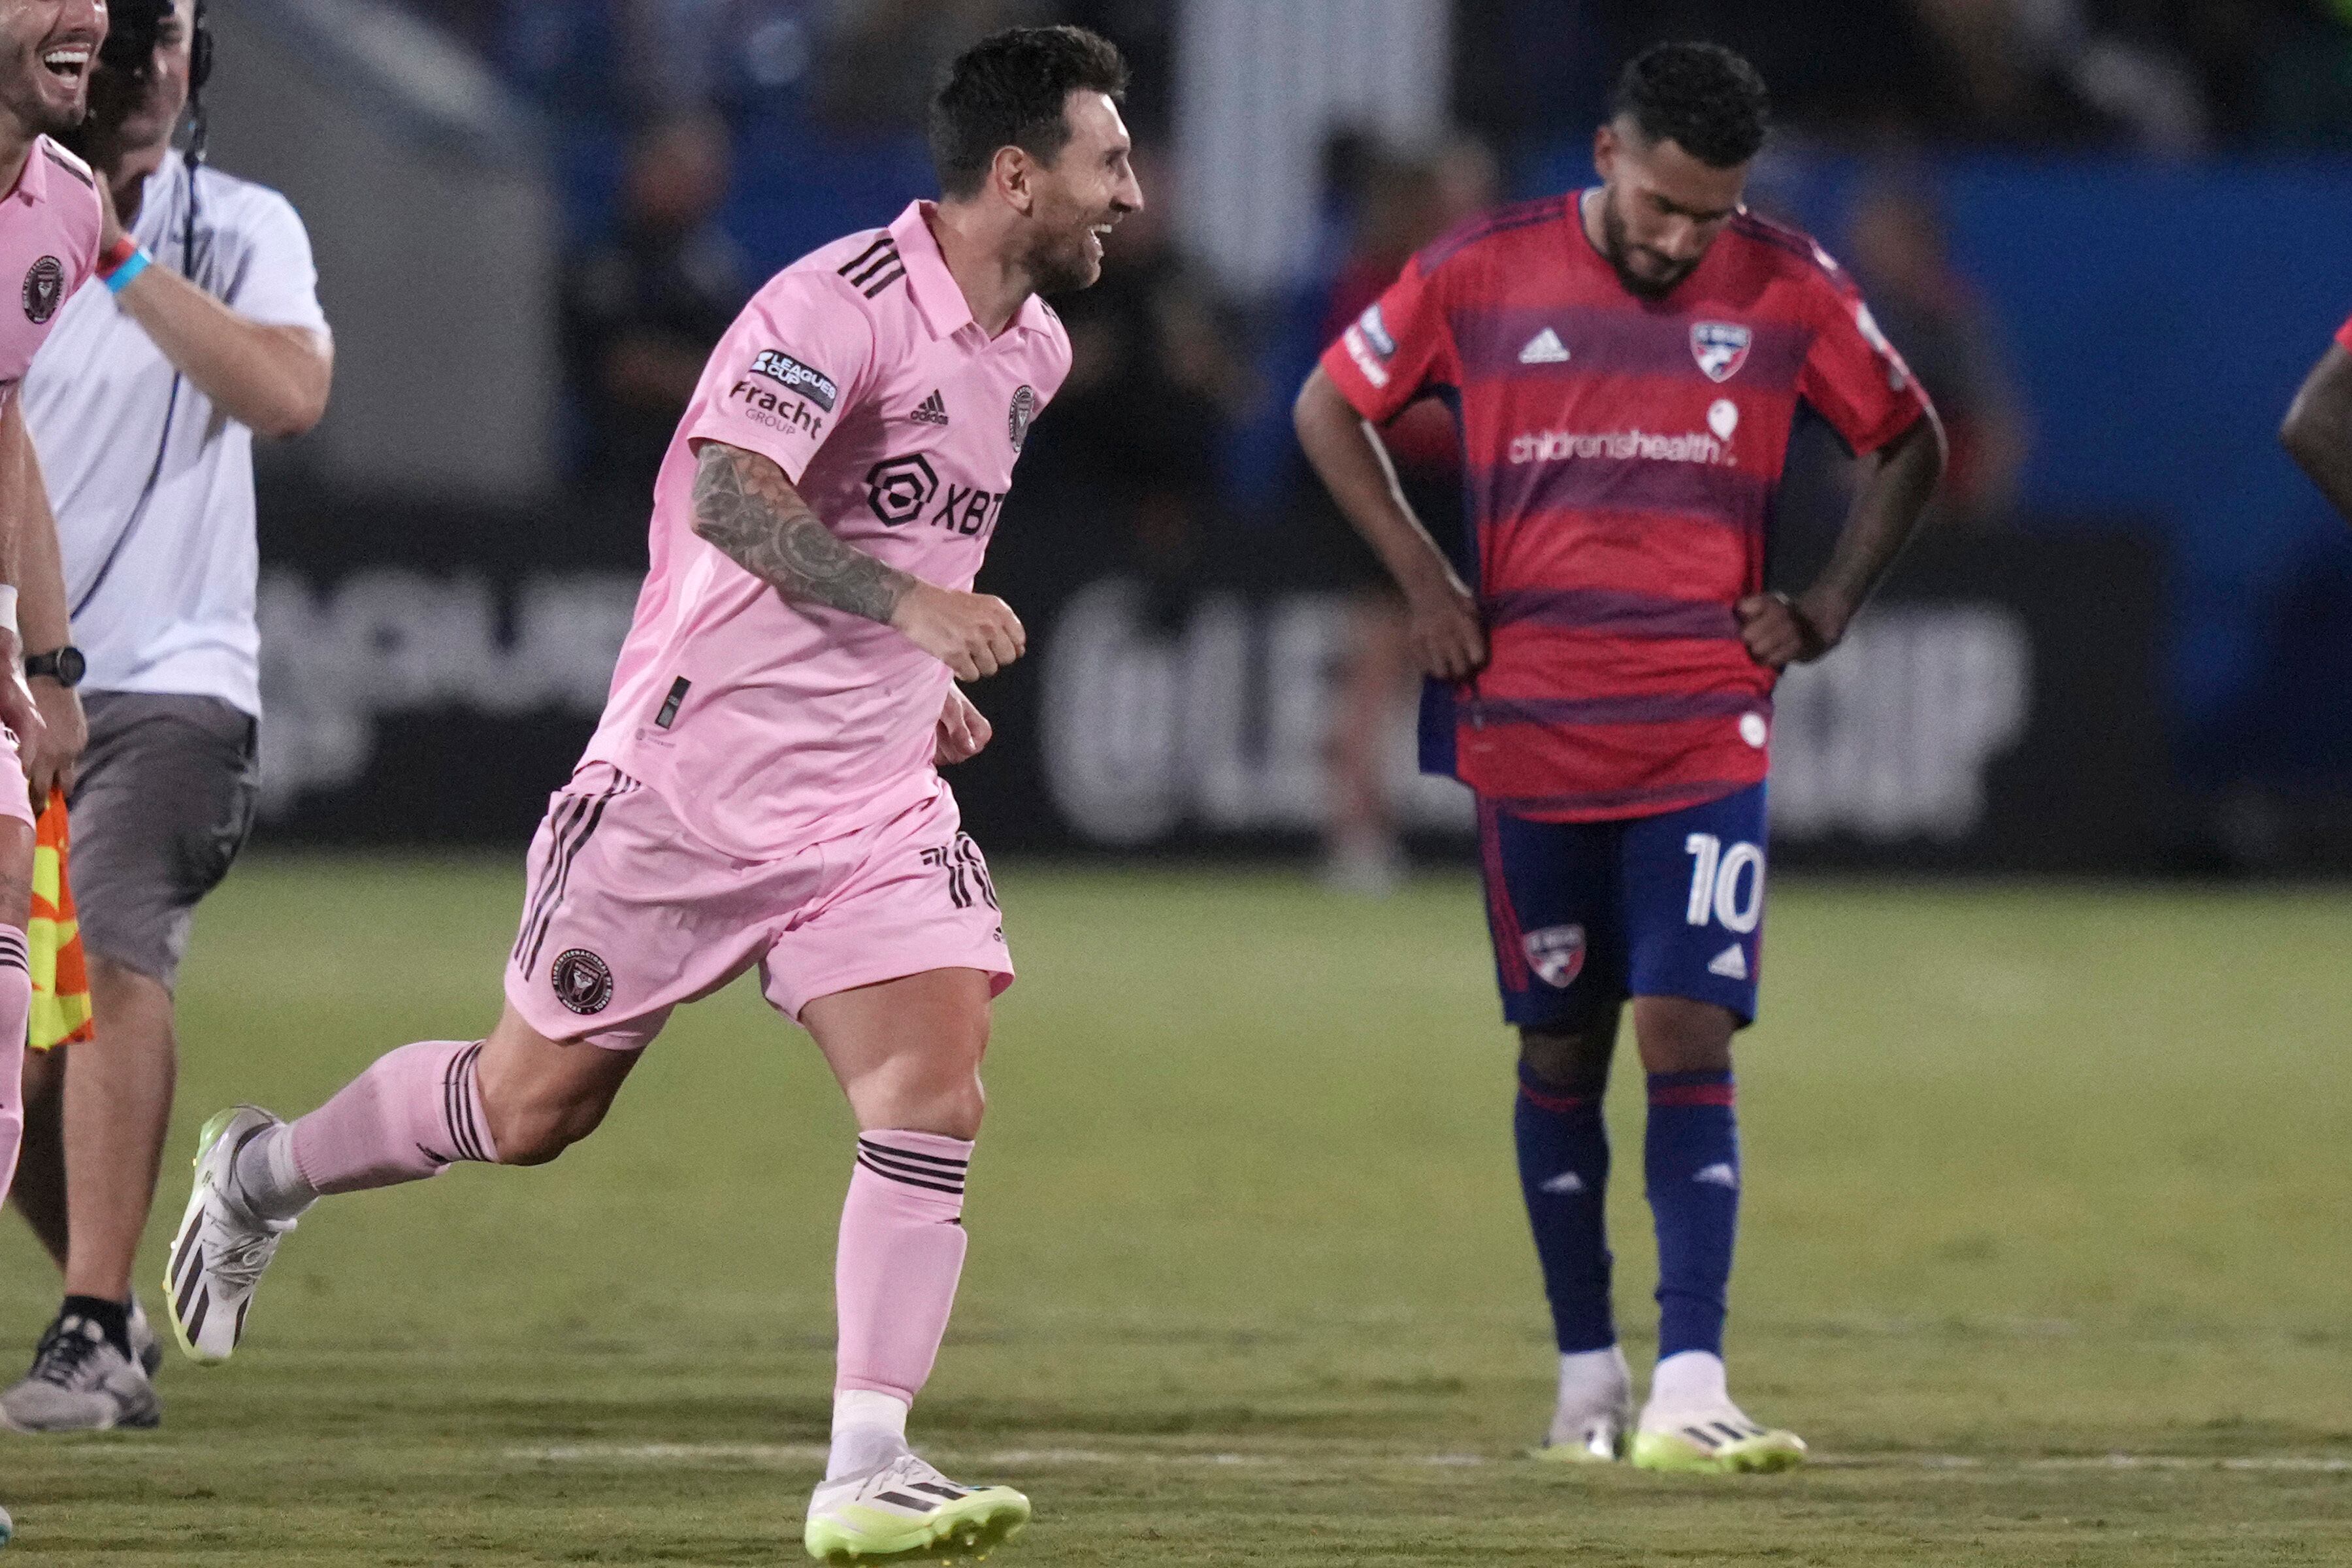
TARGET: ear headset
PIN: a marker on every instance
(200, 71)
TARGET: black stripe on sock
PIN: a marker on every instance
(449, 1106)
(890, 1160)
(909, 1181)
(466, 1081)
(457, 1105)
(947, 1161)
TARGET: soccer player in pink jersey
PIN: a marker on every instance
(50, 220)
(763, 791)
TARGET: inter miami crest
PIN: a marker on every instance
(1556, 953)
(1016, 422)
(45, 290)
(1720, 348)
(582, 981)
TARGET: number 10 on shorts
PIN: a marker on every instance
(1715, 883)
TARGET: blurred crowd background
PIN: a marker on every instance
(2109, 236)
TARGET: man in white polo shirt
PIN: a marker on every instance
(143, 406)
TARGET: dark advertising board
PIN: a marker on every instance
(1995, 708)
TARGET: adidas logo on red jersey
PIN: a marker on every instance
(1544, 348)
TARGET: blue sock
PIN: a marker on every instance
(1564, 1173)
(1692, 1160)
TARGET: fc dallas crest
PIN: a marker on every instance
(1720, 348)
(1556, 953)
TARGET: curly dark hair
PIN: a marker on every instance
(1703, 96)
(1009, 91)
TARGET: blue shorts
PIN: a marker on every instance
(1585, 914)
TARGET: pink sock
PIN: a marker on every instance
(406, 1117)
(16, 1015)
(902, 1242)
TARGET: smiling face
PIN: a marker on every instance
(1079, 197)
(1661, 209)
(46, 50)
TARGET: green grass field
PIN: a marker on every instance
(2045, 1250)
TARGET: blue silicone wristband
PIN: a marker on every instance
(121, 276)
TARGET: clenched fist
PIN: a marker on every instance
(972, 633)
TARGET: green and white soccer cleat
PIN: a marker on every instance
(904, 1511)
(221, 1247)
(8, 1528)
(1597, 1439)
(1593, 1419)
(1715, 1442)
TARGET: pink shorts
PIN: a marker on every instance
(627, 913)
(15, 792)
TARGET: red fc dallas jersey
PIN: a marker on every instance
(1621, 456)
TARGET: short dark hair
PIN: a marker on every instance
(1703, 96)
(1009, 90)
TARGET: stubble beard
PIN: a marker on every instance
(1618, 247)
(1060, 267)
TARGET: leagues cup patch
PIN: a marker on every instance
(805, 379)
(1556, 953)
(1720, 348)
(1017, 421)
(582, 981)
(45, 290)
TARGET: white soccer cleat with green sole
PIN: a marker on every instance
(905, 1512)
(221, 1247)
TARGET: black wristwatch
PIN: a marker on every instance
(66, 666)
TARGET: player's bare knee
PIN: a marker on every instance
(1677, 1034)
(1570, 1060)
(532, 1127)
(960, 1110)
(536, 1133)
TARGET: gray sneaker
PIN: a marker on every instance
(81, 1383)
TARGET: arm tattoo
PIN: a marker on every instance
(744, 505)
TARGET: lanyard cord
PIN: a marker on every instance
(138, 512)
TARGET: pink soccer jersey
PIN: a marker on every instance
(766, 724)
(50, 228)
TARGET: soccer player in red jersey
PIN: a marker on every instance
(1625, 364)
(2318, 429)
